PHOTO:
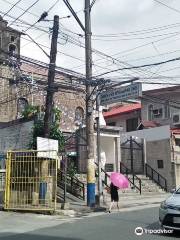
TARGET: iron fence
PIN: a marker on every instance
(31, 180)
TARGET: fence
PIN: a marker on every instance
(31, 179)
(2, 179)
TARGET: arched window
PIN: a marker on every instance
(79, 115)
(150, 112)
(12, 49)
(21, 105)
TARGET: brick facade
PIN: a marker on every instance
(31, 89)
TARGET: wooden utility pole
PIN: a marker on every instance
(89, 109)
(51, 75)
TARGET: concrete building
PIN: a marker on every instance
(127, 116)
(109, 147)
(158, 153)
(162, 106)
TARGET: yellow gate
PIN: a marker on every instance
(31, 180)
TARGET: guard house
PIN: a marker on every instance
(109, 147)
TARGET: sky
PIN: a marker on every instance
(125, 33)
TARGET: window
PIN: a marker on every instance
(160, 164)
(131, 124)
(12, 38)
(21, 105)
(79, 115)
(12, 49)
(157, 113)
(111, 124)
(177, 141)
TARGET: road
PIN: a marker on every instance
(99, 226)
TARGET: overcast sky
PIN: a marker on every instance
(118, 26)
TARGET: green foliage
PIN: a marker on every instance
(55, 132)
(29, 111)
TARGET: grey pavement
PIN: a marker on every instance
(126, 203)
(135, 211)
(118, 226)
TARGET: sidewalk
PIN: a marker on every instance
(126, 203)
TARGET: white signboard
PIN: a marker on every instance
(122, 93)
(47, 148)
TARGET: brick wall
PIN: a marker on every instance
(11, 91)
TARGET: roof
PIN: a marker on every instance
(41, 68)
(119, 110)
(148, 124)
(162, 90)
(175, 130)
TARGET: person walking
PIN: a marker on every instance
(114, 196)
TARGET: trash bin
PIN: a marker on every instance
(42, 192)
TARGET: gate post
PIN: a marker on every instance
(131, 152)
(7, 184)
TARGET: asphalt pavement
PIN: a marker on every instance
(95, 226)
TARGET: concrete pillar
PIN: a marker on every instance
(118, 153)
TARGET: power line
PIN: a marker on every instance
(33, 14)
(43, 16)
(92, 3)
(138, 32)
(60, 52)
(11, 8)
(97, 52)
(153, 56)
(141, 66)
(135, 38)
(52, 6)
(24, 12)
(174, 9)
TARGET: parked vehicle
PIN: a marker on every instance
(169, 211)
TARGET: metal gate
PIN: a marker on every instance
(31, 179)
(132, 155)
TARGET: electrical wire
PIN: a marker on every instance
(102, 54)
(10, 3)
(138, 32)
(54, 4)
(135, 38)
(11, 8)
(174, 9)
(141, 66)
(25, 12)
(92, 3)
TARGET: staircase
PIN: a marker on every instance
(70, 188)
(149, 186)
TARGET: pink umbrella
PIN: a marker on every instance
(119, 180)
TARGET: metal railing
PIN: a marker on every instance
(156, 177)
(135, 180)
(73, 184)
(106, 176)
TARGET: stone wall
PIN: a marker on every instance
(16, 136)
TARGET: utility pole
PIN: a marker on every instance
(98, 151)
(89, 110)
(51, 75)
(131, 155)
